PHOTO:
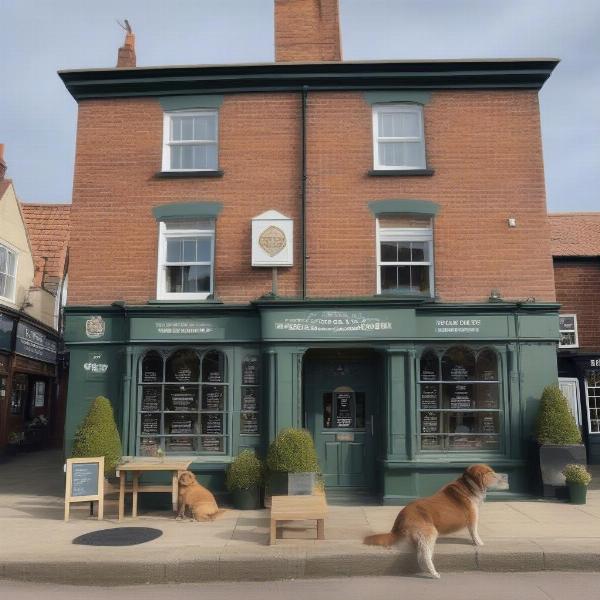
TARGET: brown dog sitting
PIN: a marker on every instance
(453, 508)
(201, 502)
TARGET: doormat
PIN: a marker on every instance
(119, 536)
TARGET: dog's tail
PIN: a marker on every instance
(383, 539)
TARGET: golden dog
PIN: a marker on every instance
(454, 507)
(201, 502)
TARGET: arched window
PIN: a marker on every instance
(184, 412)
(460, 408)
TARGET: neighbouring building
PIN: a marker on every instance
(359, 248)
(576, 252)
(33, 263)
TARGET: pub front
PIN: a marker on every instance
(398, 396)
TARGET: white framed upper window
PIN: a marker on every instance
(405, 261)
(185, 260)
(190, 140)
(8, 272)
(568, 331)
(398, 137)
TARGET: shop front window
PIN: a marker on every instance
(183, 403)
(250, 408)
(592, 392)
(460, 407)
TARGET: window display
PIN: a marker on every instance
(459, 395)
(185, 411)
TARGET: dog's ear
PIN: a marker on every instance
(480, 474)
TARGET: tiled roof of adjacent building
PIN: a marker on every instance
(48, 227)
(575, 234)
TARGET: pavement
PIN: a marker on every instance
(36, 543)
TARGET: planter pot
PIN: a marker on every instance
(248, 499)
(553, 459)
(577, 492)
(291, 484)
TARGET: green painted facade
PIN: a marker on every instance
(290, 335)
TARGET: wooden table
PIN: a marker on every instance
(298, 508)
(138, 466)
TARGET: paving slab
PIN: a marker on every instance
(37, 543)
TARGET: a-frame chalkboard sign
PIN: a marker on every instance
(85, 483)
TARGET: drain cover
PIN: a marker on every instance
(119, 536)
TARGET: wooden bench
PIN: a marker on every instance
(298, 508)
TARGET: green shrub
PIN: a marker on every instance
(98, 435)
(555, 423)
(293, 451)
(244, 472)
(577, 474)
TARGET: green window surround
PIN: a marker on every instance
(187, 210)
(191, 102)
(413, 207)
(386, 96)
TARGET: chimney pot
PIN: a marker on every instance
(2, 162)
(126, 57)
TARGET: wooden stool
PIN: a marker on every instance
(298, 508)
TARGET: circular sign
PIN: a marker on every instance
(272, 240)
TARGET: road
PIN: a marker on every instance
(463, 586)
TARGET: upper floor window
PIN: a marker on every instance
(398, 136)
(568, 331)
(190, 140)
(8, 273)
(405, 261)
(185, 260)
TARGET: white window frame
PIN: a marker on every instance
(167, 142)
(576, 344)
(15, 253)
(589, 387)
(405, 234)
(161, 271)
(408, 108)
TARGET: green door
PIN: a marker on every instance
(340, 400)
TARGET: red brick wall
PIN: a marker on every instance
(484, 146)
(307, 31)
(578, 291)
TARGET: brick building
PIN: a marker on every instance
(409, 320)
(576, 253)
(33, 267)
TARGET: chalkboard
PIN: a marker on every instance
(344, 416)
(460, 396)
(430, 396)
(213, 398)
(430, 422)
(249, 399)
(84, 482)
(212, 444)
(180, 444)
(152, 368)
(212, 424)
(150, 423)
(181, 424)
(249, 423)
(151, 399)
(250, 371)
(184, 400)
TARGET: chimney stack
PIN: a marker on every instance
(126, 57)
(2, 162)
(307, 31)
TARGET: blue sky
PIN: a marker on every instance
(38, 37)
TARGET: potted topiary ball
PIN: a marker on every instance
(243, 479)
(559, 439)
(292, 463)
(578, 479)
(98, 436)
